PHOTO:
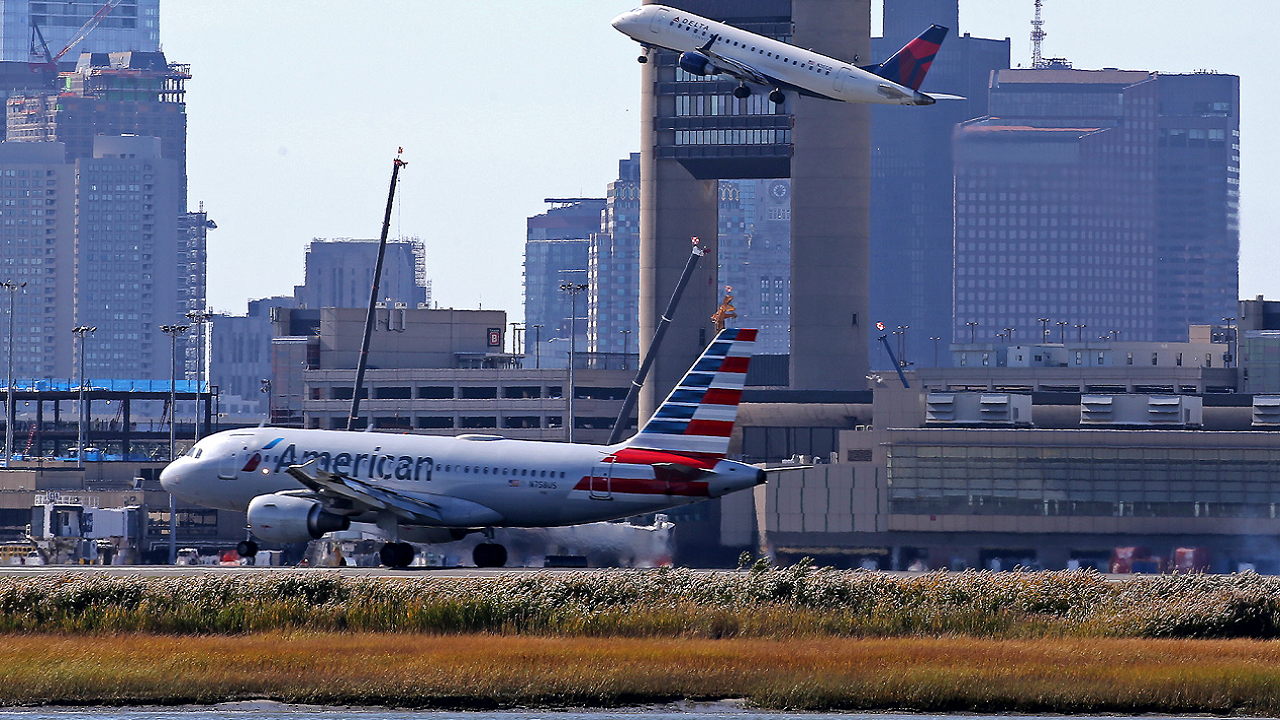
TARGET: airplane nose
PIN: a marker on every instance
(170, 477)
(625, 20)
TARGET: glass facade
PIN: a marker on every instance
(1083, 481)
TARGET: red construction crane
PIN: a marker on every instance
(50, 62)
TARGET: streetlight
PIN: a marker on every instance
(537, 346)
(574, 289)
(173, 331)
(1080, 332)
(902, 345)
(10, 412)
(1044, 328)
(80, 331)
(973, 331)
(935, 350)
(1062, 332)
(626, 337)
(198, 318)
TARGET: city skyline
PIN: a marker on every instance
(551, 124)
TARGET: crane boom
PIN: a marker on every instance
(87, 28)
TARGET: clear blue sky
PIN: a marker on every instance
(296, 110)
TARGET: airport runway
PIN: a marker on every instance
(10, 571)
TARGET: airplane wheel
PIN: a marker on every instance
(742, 92)
(642, 59)
(490, 555)
(777, 97)
(396, 555)
(246, 548)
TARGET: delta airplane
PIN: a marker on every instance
(708, 47)
(296, 485)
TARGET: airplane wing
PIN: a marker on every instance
(347, 493)
(745, 72)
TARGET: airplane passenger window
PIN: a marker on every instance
(486, 471)
(544, 473)
(524, 471)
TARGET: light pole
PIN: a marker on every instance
(537, 346)
(574, 289)
(1080, 332)
(1044, 328)
(198, 318)
(935, 350)
(973, 332)
(1062, 332)
(902, 345)
(10, 411)
(80, 331)
(266, 389)
(626, 338)
(173, 331)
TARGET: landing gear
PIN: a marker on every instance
(642, 59)
(777, 97)
(742, 92)
(489, 555)
(397, 554)
(246, 548)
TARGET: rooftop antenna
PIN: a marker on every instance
(1037, 38)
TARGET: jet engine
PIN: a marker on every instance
(289, 519)
(696, 63)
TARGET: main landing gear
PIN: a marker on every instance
(777, 97)
(489, 553)
(742, 92)
(397, 554)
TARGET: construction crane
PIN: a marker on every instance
(40, 48)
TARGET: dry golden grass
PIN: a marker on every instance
(490, 671)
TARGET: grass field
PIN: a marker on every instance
(491, 671)
(798, 637)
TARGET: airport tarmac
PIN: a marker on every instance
(9, 571)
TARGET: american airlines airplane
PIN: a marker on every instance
(708, 47)
(297, 485)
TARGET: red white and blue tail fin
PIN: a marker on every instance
(698, 415)
(909, 65)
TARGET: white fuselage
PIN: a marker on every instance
(528, 483)
(681, 31)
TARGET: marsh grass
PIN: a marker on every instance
(767, 603)
(494, 671)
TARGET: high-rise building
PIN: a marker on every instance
(339, 273)
(912, 221)
(613, 267)
(240, 351)
(755, 258)
(120, 93)
(37, 255)
(1059, 195)
(557, 250)
(131, 25)
(127, 205)
(1197, 201)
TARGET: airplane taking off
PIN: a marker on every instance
(297, 485)
(708, 47)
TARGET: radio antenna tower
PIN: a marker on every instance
(1037, 37)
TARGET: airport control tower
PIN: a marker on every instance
(694, 132)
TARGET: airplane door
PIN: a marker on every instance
(602, 482)
(228, 465)
(842, 79)
(660, 18)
